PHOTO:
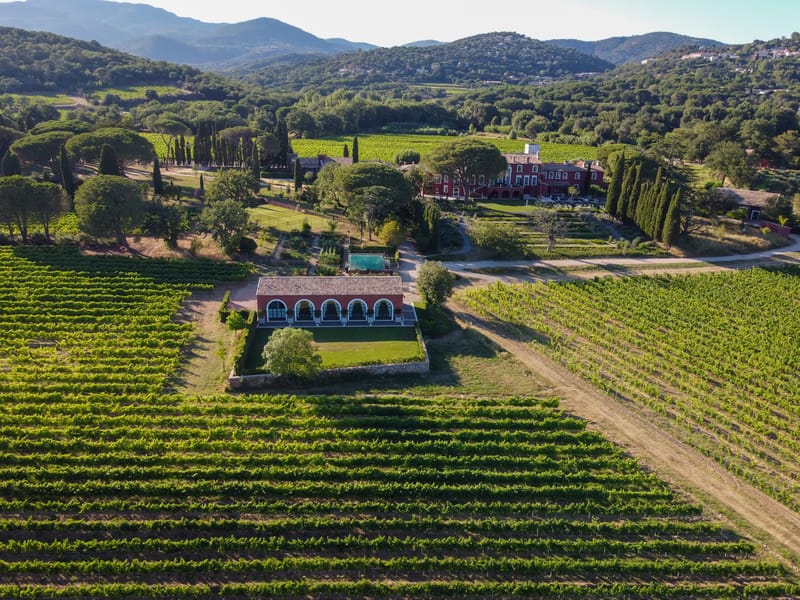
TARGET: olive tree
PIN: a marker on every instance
(290, 352)
(434, 283)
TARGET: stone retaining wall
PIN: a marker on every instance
(264, 380)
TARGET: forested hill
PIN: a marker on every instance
(635, 48)
(32, 62)
(498, 57)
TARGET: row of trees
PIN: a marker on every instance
(651, 203)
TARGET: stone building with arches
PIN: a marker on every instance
(330, 301)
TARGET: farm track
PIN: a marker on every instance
(657, 445)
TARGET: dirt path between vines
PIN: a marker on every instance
(655, 443)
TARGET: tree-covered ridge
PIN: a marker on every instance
(634, 48)
(502, 56)
(38, 61)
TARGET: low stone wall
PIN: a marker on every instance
(264, 380)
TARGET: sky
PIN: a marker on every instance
(396, 23)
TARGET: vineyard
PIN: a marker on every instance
(112, 488)
(77, 324)
(386, 146)
(717, 354)
(156, 496)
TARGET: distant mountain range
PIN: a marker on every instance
(157, 34)
(634, 48)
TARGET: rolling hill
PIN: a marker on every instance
(492, 57)
(161, 35)
(634, 48)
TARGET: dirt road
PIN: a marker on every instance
(652, 440)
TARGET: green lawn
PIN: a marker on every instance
(284, 219)
(351, 346)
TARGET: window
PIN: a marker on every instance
(535, 168)
(518, 180)
(519, 168)
(446, 189)
(577, 176)
(481, 179)
(594, 175)
(276, 311)
(456, 192)
(527, 180)
(437, 179)
(446, 179)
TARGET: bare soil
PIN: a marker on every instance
(658, 445)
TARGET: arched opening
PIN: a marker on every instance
(276, 311)
(384, 311)
(304, 311)
(331, 311)
(357, 310)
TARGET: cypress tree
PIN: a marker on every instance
(355, 150)
(615, 188)
(10, 164)
(636, 189)
(158, 182)
(672, 222)
(65, 169)
(661, 211)
(345, 151)
(625, 194)
(202, 183)
(109, 165)
(255, 165)
(298, 175)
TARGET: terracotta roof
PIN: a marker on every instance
(356, 285)
(752, 198)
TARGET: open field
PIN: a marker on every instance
(712, 353)
(386, 146)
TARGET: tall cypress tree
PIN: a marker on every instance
(345, 151)
(636, 190)
(298, 175)
(158, 182)
(255, 165)
(355, 150)
(625, 194)
(109, 165)
(615, 188)
(65, 171)
(672, 222)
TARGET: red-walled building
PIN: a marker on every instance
(525, 177)
(311, 301)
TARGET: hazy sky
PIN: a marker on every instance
(395, 23)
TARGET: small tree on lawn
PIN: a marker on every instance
(434, 283)
(227, 221)
(290, 353)
(550, 224)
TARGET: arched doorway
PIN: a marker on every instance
(384, 311)
(304, 311)
(331, 311)
(357, 310)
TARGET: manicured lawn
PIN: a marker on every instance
(284, 219)
(351, 346)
